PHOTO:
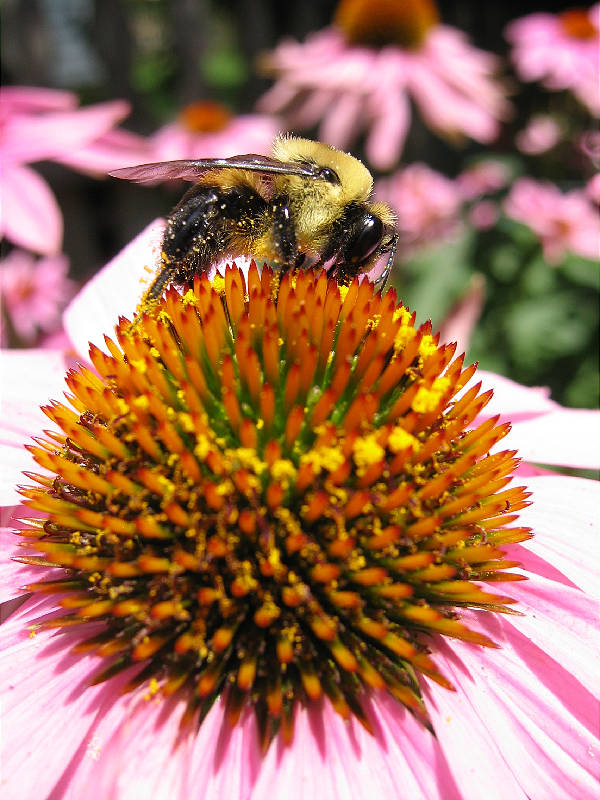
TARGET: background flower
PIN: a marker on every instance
(361, 75)
(42, 125)
(563, 221)
(561, 51)
(205, 129)
(33, 293)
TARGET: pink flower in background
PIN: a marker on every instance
(563, 222)
(484, 214)
(541, 133)
(523, 714)
(485, 176)
(208, 130)
(427, 204)
(45, 125)
(560, 51)
(361, 76)
(34, 292)
(592, 189)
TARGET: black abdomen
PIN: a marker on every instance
(206, 222)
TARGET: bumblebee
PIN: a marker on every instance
(305, 206)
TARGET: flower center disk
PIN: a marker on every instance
(270, 493)
(377, 23)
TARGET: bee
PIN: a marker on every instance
(308, 205)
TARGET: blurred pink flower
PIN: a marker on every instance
(541, 133)
(208, 130)
(592, 189)
(523, 714)
(34, 292)
(427, 204)
(485, 176)
(45, 125)
(352, 88)
(563, 222)
(561, 51)
(484, 214)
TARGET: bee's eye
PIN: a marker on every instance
(329, 175)
(366, 240)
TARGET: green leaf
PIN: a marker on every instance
(581, 271)
(435, 278)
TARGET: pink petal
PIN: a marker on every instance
(568, 436)
(115, 149)
(28, 99)
(564, 515)
(390, 124)
(26, 138)
(41, 684)
(31, 378)
(116, 290)
(519, 710)
(562, 622)
(543, 431)
(31, 215)
(342, 120)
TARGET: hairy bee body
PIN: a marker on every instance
(308, 205)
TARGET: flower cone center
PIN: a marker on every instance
(577, 24)
(270, 492)
(204, 117)
(377, 23)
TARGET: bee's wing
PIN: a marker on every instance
(192, 170)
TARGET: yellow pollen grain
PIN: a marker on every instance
(283, 471)
(153, 689)
(329, 458)
(260, 424)
(343, 292)
(373, 322)
(405, 334)
(247, 458)
(167, 486)
(154, 352)
(399, 440)
(225, 488)
(367, 451)
(402, 314)
(189, 298)
(427, 399)
(427, 347)
(203, 447)
(138, 365)
(186, 422)
(218, 284)
(141, 402)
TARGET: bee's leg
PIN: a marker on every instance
(390, 248)
(167, 273)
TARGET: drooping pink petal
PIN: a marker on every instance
(116, 290)
(31, 216)
(30, 379)
(460, 322)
